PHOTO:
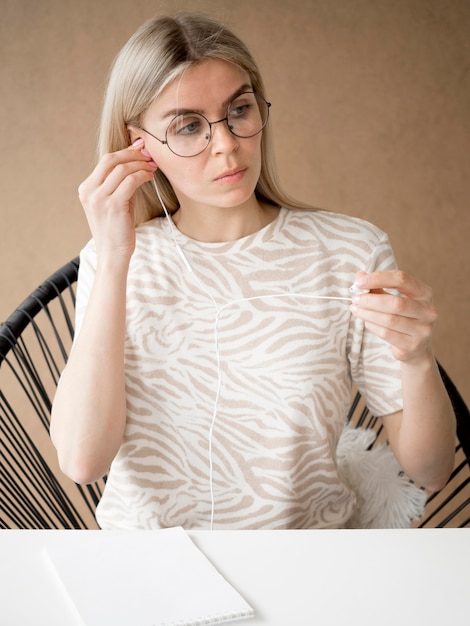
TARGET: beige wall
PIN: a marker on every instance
(370, 108)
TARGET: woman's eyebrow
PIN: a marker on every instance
(179, 111)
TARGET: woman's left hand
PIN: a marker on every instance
(404, 319)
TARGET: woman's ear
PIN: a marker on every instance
(134, 133)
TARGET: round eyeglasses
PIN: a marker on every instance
(189, 134)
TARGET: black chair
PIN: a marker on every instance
(34, 344)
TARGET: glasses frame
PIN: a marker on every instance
(223, 119)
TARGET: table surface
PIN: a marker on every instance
(291, 578)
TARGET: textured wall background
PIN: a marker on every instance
(371, 109)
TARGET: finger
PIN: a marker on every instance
(405, 345)
(128, 186)
(395, 306)
(108, 162)
(394, 280)
(419, 326)
(132, 173)
(92, 191)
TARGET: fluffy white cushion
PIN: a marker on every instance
(385, 496)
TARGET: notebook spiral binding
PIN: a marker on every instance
(219, 618)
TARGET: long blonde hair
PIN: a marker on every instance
(157, 53)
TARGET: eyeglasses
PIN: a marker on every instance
(189, 134)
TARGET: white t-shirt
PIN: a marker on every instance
(238, 381)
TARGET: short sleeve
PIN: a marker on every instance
(374, 370)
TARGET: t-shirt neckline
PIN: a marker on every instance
(265, 234)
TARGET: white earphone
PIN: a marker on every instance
(354, 290)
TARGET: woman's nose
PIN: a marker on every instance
(222, 140)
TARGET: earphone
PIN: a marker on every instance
(357, 291)
(354, 290)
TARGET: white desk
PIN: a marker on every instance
(291, 578)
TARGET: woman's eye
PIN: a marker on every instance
(186, 126)
(190, 128)
(240, 110)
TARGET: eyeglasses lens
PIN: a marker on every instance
(190, 133)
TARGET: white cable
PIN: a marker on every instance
(218, 309)
(172, 229)
(217, 351)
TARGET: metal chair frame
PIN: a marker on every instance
(34, 344)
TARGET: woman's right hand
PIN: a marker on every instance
(89, 411)
(107, 196)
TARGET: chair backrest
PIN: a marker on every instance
(34, 344)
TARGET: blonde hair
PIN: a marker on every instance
(160, 51)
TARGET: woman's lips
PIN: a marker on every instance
(231, 176)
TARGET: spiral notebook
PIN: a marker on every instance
(150, 578)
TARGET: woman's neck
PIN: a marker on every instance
(217, 225)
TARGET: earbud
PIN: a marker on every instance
(357, 291)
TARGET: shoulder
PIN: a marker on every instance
(341, 238)
(329, 225)
(152, 226)
(149, 235)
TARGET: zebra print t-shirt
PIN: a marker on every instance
(238, 381)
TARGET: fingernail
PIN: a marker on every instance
(153, 164)
(361, 281)
(145, 153)
(138, 142)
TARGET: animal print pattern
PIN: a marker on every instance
(238, 380)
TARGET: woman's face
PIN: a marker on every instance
(225, 174)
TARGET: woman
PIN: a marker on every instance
(211, 370)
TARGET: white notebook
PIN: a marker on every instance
(150, 578)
